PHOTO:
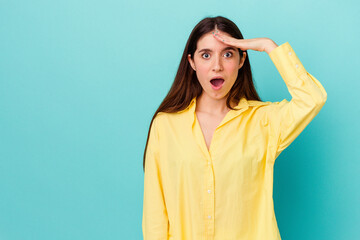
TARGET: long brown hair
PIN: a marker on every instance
(186, 85)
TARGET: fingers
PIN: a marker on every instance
(228, 40)
(221, 37)
(257, 44)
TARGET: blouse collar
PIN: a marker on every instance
(242, 106)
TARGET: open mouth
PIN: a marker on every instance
(217, 82)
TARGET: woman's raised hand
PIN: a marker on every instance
(257, 44)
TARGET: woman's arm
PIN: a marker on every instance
(155, 218)
(289, 119)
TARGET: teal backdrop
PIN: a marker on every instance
(80, 81)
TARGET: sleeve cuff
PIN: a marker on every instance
(287, 63)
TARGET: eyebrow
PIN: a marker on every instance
(209, 50)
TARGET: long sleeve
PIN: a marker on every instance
(155, 219)
(308, 97)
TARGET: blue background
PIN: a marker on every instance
(80, 81)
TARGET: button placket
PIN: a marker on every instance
(209, 199)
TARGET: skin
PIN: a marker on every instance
(207, 65)
(211, 104)
(221, 63)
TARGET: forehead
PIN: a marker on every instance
(208, 41)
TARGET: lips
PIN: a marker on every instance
(217, 81)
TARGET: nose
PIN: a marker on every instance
(217, 65)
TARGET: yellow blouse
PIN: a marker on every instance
(225, 193)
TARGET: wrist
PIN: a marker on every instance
(271, 45)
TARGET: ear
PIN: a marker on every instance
(242, 61)
(191, 62)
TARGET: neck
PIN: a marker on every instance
(204, 103)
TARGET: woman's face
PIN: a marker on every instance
(213, 58)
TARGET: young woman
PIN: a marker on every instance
(212, 143)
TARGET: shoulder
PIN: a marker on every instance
(266, 105)
(163, 119)
(255, 103)
(164, 116)
(267, 109)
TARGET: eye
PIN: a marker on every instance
(204, 54)
(230, 54)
